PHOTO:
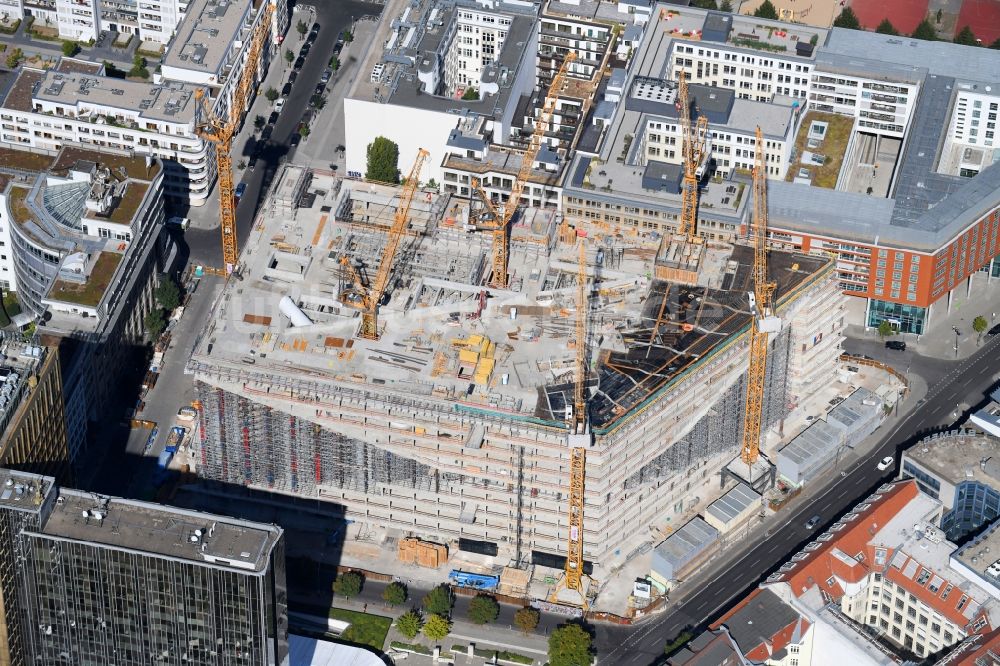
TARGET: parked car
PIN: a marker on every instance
(813, 522)
(320, 88)
(181, 222)
(337, 48)
(304, 51)
(327, 75)
(292, 76)
(994, 330)
(311, 38)
(295, 139)
(273, 118)
(898, 345)
(886, 463)
(315, 27)
(286, 89)
(252, 162)
(279, 105)
(298, 63)
(266, 133)
(240, 189)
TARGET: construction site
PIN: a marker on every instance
(364, 357)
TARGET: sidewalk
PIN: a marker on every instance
(49, 49)
(496, 636)
(938, 339)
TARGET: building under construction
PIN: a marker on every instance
(453, 424)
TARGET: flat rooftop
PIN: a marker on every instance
(86, 94)
(982, 554)
(448, 335)
(206, 35)
(960, 457)
(21, 491)
(161, 531)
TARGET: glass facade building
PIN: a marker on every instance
(97, 581)
(904, 318)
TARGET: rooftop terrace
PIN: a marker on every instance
(960, 456)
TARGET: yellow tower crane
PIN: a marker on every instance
(579, 437)
(762, 322)
(694, 138)
(367, 299)
(501, 219)
(220, 131)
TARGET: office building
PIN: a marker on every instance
(100, 580)
(960, 468)
(84, 248)
(32, 415)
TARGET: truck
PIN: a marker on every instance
(163, 460)
(175, 438)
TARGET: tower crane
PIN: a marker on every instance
(694, 140)
(762, 322)
(367, 298)
(500, 220)
(579, 437)
(220, 131)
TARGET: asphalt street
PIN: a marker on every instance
(952, 383)
(204, 244)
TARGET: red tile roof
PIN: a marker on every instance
(946, 604)
(985, 647)
(830, 559)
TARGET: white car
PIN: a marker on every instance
(886, 463)
(279, 105)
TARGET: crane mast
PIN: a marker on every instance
(367, 299)
(694, 139)
(501, 219)
(220, 132)
(579, 438)
(762, 320)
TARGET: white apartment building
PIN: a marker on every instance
(474, 43)
(47, 110)
(84, 20)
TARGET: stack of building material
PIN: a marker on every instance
(422, 553)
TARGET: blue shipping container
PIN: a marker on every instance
(164, 459)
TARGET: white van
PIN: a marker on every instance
(377, 72)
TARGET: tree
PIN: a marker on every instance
(996, 44)
(289, 56)
(271, 94)
(766, 11)
(318, 101)
(726, 6)
(302, 28)
(438, 600)
(258, 122)
(334, 63)
(526, 619)
(383, 161)
(303, 131)
(168, 294)
(395, 594)
(154, 323)
(847, 19)
(14, 58)
(979, 326)
(348, 37)
(569, 645)
(966, 36)
(348, 584)
(704, 4)
(886, 28)
(483, 609)
(70, 49)
(409, 623)
(885, 329)
(139, 67)
(925, 31)
(437, 627)
(470, 94)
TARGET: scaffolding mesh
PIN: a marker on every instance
(251, 444)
